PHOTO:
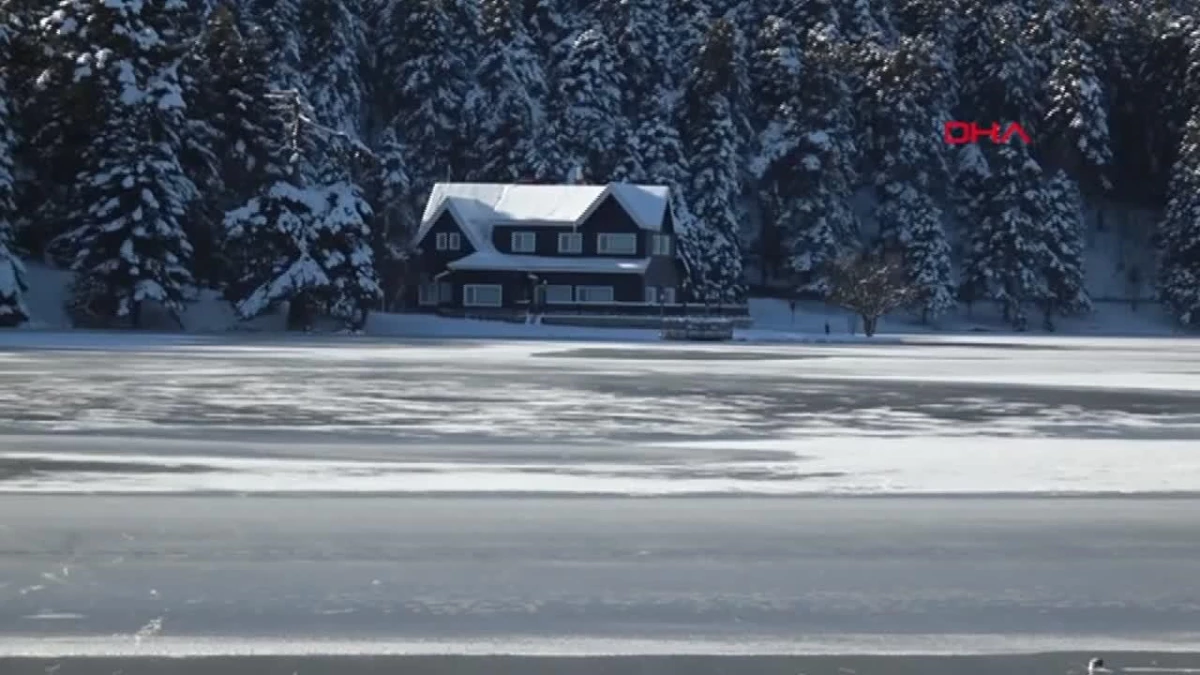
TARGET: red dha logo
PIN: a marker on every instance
(963, 133)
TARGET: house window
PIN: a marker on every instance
(455, 241)
(442, 239)
(524, 242)
(593, 293)
(482, 295)
(445, 292)
(668, 295)
(570, 242)
(652, 294)
(616, 244)
(427, 294)
(660, 244)
(559, 294)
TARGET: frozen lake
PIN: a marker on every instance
(187, 414)
(253, 495)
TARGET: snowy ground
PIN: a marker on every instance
(773, 321)
(122, 413)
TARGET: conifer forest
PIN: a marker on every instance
(283, 150)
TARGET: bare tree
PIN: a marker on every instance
(870, 287)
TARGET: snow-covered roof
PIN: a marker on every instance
(492, 260)
(480, 206)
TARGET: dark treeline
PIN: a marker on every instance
(282, 149)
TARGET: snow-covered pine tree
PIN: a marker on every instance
(12, 272)
(907, 155)
(1179, 232)
(1144, 47)
(997, 73)
(819, 221)
(868, 21)
(229, 154)
(58, 123)
(391, 189)
(429, 80)
(815, 14)
(928, 18)
(551, 26)
(280, 21)
(1074, 120)
(334, 44)
(1007, 250)
(513, 138)
(307, 239)
(591, 86)
(775, 70)
(1062, 234)
(690, 24)
(132, 196)
(654, 152)
(710, 246)
(970, 181)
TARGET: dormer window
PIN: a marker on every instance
(449, 241)
(524, 242)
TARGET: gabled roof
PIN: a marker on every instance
(479, 206)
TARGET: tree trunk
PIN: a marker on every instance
(135, 314)
(298, 313)
(869, 323)
(359, 322)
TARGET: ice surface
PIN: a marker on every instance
(989, 415)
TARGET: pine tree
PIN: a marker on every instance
(711, 246)
(996, 69)
(512, 136)
(775, 70)
(1007, 252)
(1179, 233)
(550, 25)
(1062, 234)
(12, 271)
(653, 101)
(58, 122)
(805, 162)
(430, 80)
(1075, 110)
(280, 21)
(591, 87)
(691, 21)
(1144, 49)
(823, 224)
(334, 43)
(307, 239)
(391, 188)
(908, 164)
(229, 153)
(133, 195)
(652, 150)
